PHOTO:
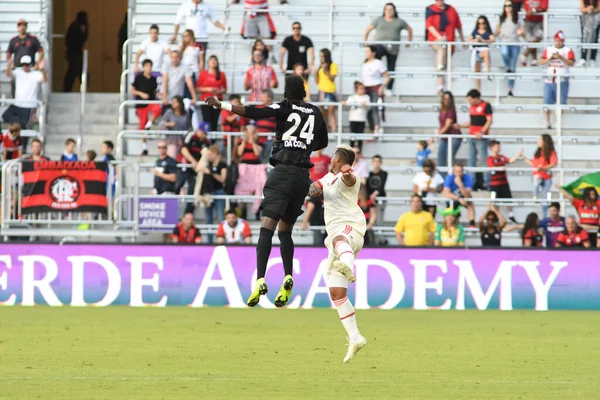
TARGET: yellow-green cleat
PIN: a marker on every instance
(285, 292)
(260, 288)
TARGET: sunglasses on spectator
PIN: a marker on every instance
(162, 147)
(508, 6)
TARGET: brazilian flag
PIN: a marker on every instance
(590, 180)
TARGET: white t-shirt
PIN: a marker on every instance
(154, 51)
(26, 87)
(555, 65)
(372, 73)
(195, 17)
(358, 112)
(423, 181)
(189, 58)
(341, 205)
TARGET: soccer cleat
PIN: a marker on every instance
(260, 288)
(354, 347)
(284, 293)
(344, 270)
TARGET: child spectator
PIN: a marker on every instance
(423, 151)
(499, 181)
(320, 167)
(144, 88)
(155, 50)
(90, 155)
(358, 112)
(299, 71)
(553, 225)
(327, 91)
(543, 161)
(69, 153)
(11, 142)
(107, 149)
(375, 77)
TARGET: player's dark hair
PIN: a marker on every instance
(234, 97)
(474, 94)
(531, 223)
(294, 88)
(346, 156)
(231, 211)
(555, 205)
(493, 143)
(154, 26)
(147, 61)
(109, 144)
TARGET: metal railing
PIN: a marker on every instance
(83, 91)
(41, 116)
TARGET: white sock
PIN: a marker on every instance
(345, 254)
(348, 318)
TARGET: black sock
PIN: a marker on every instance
(263, 251)
(287, 251)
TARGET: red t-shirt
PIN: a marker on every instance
(536, 238)
(208, 80)
(541, 162)
(236, 125)
(589, 215)
(183, 236)
(11, 145)
(573, 239)
(498, 178)
(539, 5)
(321, 167)
(433, 19)
(265, 125)
(248, 157)
(259, 80)
(479, 114)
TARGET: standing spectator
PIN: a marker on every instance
(499, 180)
(376, 184)
(320, 167)
(259, 77)
(543, 161)
(448, 126)
(458, 187)
(299, 70)
(24, 44)
(388, 28)
(441, 23)
(12, 142)
(553, 225)
(122, 38)
(573, 235)
(560, 58)
(531, 231)
(427, 184)
(315, 216)
(191, 151)
(234, 230)
(260, 46)
(327, 91)
(360, 165)
(90, 155)
(266, 125)
(107, 149)
(358, 112)
(298, 47)
(423, 151)
(175, 78)
(190, 58)
(374, 77)
(369, 209)
(479, 125)
(215, 175)
(450, 233)
(252, 175)
(588, 209)
(491, 224)
(36, 151)
(164, 171)
(144, 87)
(590, 27)
(196, 14)
(77, 35)
(481, 36)
(257, 21)
(534, 27)
(177, 118)
(211, 82)
(509, 30)
(186, 231)
(155, 50)
(416, 227)
(69, 153)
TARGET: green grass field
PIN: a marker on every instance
(184, 353)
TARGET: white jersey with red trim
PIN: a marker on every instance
(342, 213)
(234, 234)
(556, 66)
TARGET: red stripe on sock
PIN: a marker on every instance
(348, 251)
(349, 315)
(340, 302)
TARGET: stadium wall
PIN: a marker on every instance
(196, 276)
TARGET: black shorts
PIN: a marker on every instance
(284, 193)
(502, 191)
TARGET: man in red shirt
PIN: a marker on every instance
(534, 27)
(267, 125)
(441, 22)
(498, 179)
(259, 77)
(234, 230)
(321, 165)
(186, 231)
(573, 235)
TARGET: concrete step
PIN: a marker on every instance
(90, 98)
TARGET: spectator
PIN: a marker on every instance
(69, 153)
(589, 31)
(573, 235)
(427, 184)
(499, 181)
(320, 164)
(259, 45)
(77, 35)
(553, 225)
(315, 216)
(360, 165)
(588, 209)
(164, 171)
(177, 118)
(298, 47)
(186, 231)
(175, 78)
(458, 188)
(298, 70)
(144, 88)
(211, 82)
(534, 27)
(24, 44)
(560, 58)
(234, 230)
(259, 77)
(107, 149)
(448, 126)
(423, 151)
(369, 208)
(36, 151)
(481, 36)
(191, 151)
(374, 76)
(90, 155)
(358, 112)
(266, 125)
(252, 176)
(327, 91)
(491, 224)
(231, 122)
(12, 142)
(155, 50)
(543, 161)
(479, 126)
(190, 58)
(450, 233)
(388, 28)
(196, 14)
(416, 227)
(509, 30)
(215, 175)
(377, 178)
(257, 21)
(441, 22)
(531, 234)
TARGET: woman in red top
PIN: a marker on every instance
(211, 82)
(588, 209)
(543, 161)
(531, 233)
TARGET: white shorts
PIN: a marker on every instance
(356, 241)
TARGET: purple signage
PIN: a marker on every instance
(158, 211)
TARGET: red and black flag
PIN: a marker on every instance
(64, 186)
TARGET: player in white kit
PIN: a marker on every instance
(346, 225)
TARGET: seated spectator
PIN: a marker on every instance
(155, 50)
(90, 155)
(320, 167)
(491, 224)
(215, 175)
(164, 171)
(560, 58)
(588, 209)
(300, 51)
(448, 126)
(415, 227)
(590, 29)
(498, 179)
(315, 216)
(481, 36)
(376, 185)
(423, 151)
(259, 77)
(186, 231)
(573, 235)
(458, 188)
(358, 112)
(177, 118)
(427, 184)
(190, 58)
(252, 175)
(543, 161)
(234, 230)
(553, 225)
(266, 125)
(508, 30)
(298, 70)
(531, 231)
(36, 151)
(176, 77)
(360, 166)
(374, 76)
(144, 87)
(69, 153)
(450, 233)
(211, 82)
(325, 77)
(534, 28)
(12, 142)
(191, 151)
